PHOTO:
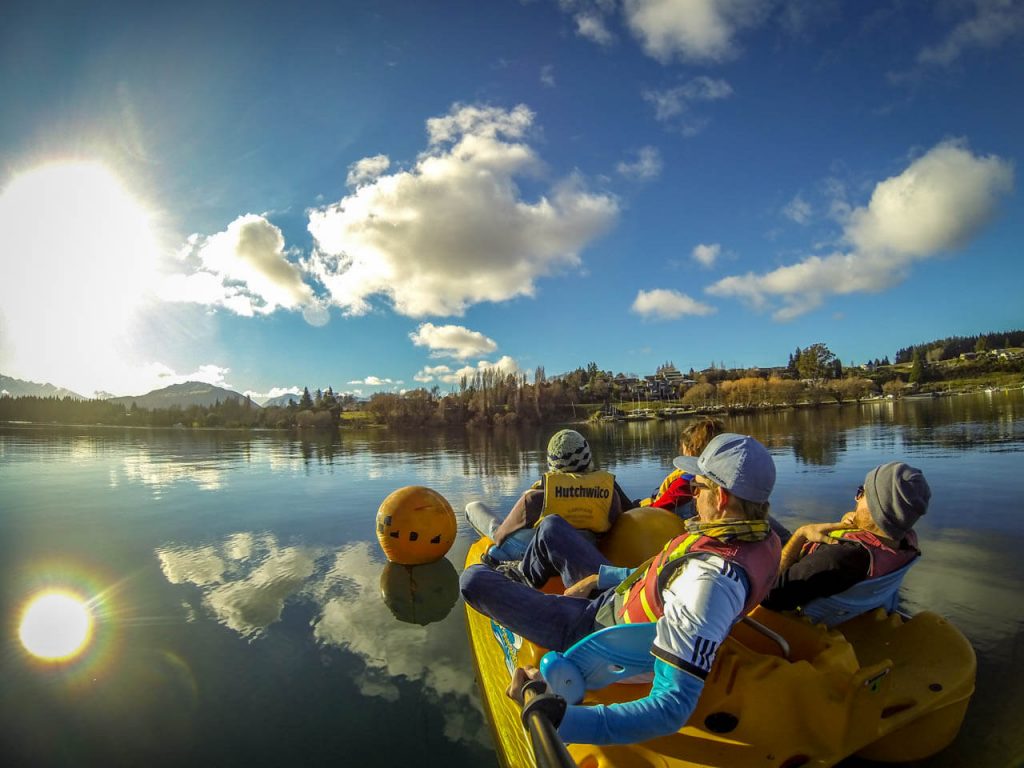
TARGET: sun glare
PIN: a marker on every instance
(56, 626)
(82, 258)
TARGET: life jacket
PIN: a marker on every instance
(638, 597)
(582, 500)
(884, 559)
(666, 484)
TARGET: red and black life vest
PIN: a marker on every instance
(638, 598)
(884, 558)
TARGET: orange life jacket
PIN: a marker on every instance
(640, 593)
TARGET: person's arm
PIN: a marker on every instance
(825, 571)
(524, 514)
(812, 533)
(701, 605)
(673, 697)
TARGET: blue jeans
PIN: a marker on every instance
(554, 622)
(486, 521)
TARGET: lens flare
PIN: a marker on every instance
(56, 626)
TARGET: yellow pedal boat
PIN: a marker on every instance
(881, 686)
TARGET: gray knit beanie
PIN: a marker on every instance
(897, 495)
(568, 451)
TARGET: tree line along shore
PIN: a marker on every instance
(493, 398)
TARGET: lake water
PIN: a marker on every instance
(246, 616)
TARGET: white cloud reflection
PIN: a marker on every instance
(159, 474)
(247, 579)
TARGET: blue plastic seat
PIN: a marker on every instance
(880, 592)
(610, 655)
(616, 655)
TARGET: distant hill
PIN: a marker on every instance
(183, 395)
(281, 401)
(19, 388)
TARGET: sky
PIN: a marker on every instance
(382, 195)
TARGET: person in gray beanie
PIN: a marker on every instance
(573, 488)
(876, 538)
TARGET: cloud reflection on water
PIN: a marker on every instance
(359, 620)
(159, 474)
(247, 579)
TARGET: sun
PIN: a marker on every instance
(56, 626)
(81, 259)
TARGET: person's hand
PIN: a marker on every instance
(849, 520)
(520, 678)
(818, 533)
(583, 587)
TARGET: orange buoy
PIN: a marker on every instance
(415, 525)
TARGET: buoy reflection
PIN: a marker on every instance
(420, 594)
(56, 626)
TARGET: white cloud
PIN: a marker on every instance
(375, 381)
(367, 170)
(431, 372)
(798, 210)
(992, 22)
(262, 397)
(243, 269)
(693, 30)
(674, 106)
(664, 304)
(707, 253)
(452, 341)
(504, 365)
(209, 373)
(646, 166)
(590, 24)
(454, 229)
(547, 76)
(144, 378)
(937, 204)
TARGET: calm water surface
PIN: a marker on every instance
(247, 616)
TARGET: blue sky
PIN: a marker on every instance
(383, 195)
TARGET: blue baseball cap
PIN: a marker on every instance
(738, 463)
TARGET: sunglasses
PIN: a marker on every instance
(859, 494)
(696, 486)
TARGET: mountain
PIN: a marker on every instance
(281, 401)
(183, 395)
(19, 388)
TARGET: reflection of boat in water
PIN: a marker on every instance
(883, 687)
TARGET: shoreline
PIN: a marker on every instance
(716, 410)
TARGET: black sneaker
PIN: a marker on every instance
(489, 561)
(513, 569)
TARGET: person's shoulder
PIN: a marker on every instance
(709, 568)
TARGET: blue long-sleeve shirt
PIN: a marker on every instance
(701, 604)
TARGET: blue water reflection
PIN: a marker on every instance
(249, 618)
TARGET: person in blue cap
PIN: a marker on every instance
(695, 589)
